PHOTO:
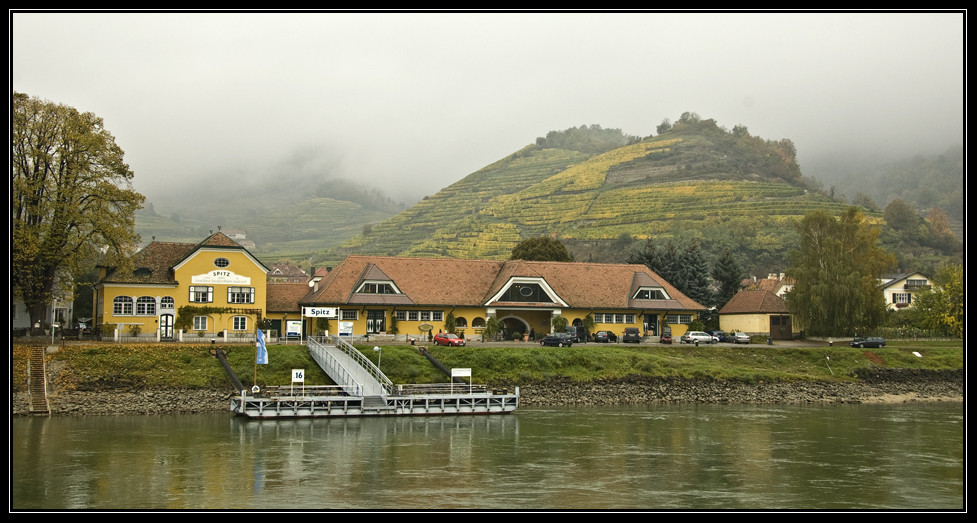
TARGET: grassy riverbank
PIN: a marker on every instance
(103, 366)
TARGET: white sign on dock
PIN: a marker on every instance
(298, 375)
(461, 373)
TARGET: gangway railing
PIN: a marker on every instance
(364, 362)
(347, 377)
(334, 368)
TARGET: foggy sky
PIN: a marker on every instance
(412, 102)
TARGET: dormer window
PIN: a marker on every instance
(374, 287)
(650, 293)
(526, 292)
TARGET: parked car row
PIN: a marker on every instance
(632, 335)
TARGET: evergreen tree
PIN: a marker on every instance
(670, 266)
(645, 253)
(836, 272)
(696, 270)
(728, 274)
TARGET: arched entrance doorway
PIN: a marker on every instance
(513, 324)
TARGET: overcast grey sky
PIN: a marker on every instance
(412, 102)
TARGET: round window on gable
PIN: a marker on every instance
(222, 262)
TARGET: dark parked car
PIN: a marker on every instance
(557, 339)
(631, 335)
(872, 342)
(605, 337)
(720, 336)
(444, 338)
(577, 334)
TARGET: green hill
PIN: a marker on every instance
(599, 191)
(694, 180)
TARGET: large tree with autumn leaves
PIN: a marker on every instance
(71, 199)
(836, 271)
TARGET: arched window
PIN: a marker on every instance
(478, 323)
(166, 302)
(461, 322)
(145, 305)
(122, 306)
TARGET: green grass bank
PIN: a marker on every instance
(106, 366)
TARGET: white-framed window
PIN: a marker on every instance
(350, 315)
(377, 288)
(122, 306)
(221, 262)
(201, 294)
(901, 297)
(240, 295)
(650, 293)
(146, 305)
(437, 315)
(167, 302)
(678, 319)
(413, 315)
(240, 323)
(400, 315)
(425, 315)
(199, 323)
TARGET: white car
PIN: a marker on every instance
(698, 336)
(740, 337)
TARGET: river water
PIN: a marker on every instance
(677, 457)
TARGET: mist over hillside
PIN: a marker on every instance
(598, 190)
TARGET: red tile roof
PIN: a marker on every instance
(154, 263)
(285, 297)
(449, 281)
(755, 302)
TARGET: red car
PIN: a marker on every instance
(444, 338)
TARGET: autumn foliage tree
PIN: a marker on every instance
(71, 198)
(836, 271)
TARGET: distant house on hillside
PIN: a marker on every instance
(899, 289)
(757, 312)
(775, 283)
(287, 273)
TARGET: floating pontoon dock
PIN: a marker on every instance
(363, 390)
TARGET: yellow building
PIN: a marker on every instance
(414, 297)
(212, 289)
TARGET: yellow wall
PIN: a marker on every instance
(200, 265)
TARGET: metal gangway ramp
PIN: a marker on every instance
(362, 390)
(349, 368)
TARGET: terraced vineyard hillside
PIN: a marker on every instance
(723, 190)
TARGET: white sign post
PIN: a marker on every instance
(461, 373)
(298, 376)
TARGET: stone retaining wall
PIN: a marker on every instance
(873, 386)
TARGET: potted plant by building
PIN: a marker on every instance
(492, 328)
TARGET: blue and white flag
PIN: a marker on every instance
(262, 356)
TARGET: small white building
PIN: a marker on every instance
(900, 289)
